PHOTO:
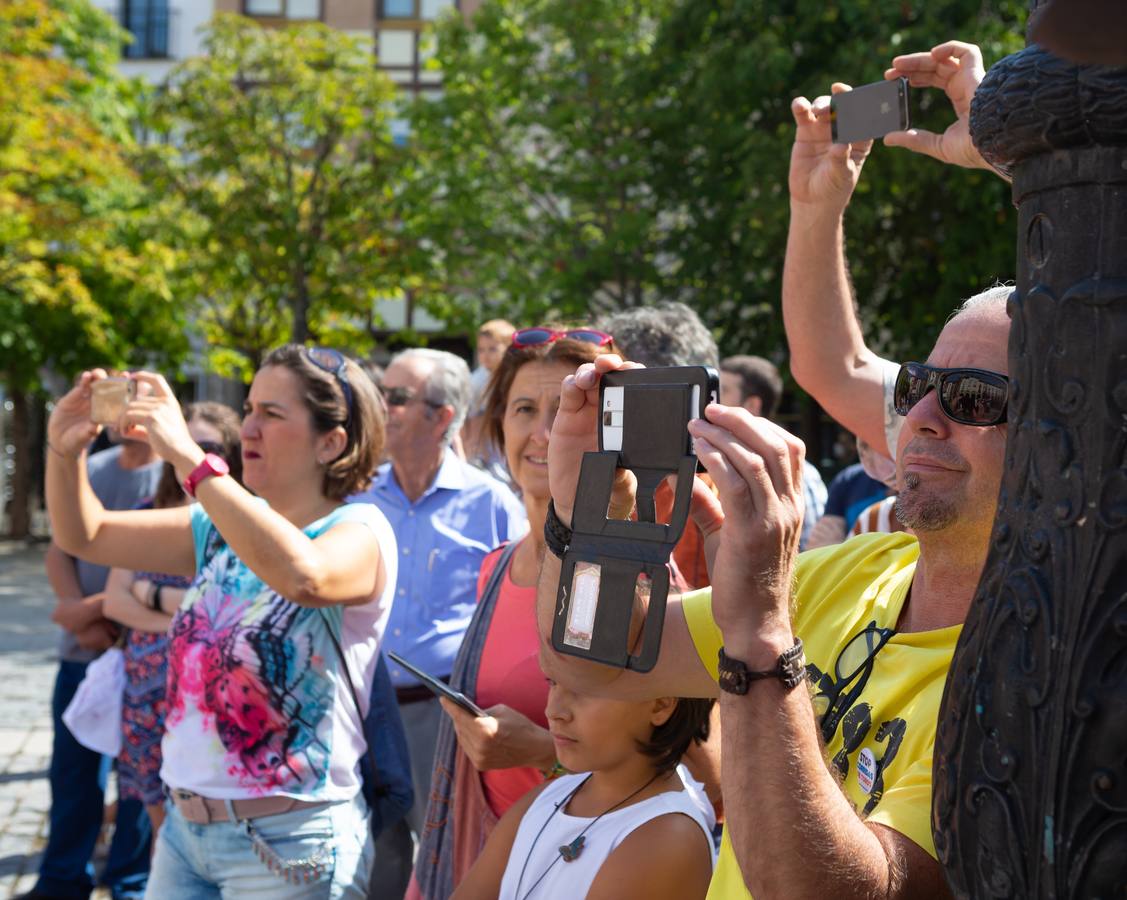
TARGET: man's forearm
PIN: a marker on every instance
(794, 832)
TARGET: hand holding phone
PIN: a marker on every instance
(870, 111)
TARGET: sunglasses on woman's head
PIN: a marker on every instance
(967, 396)
(333, 362)
(532, 337)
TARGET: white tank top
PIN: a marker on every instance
(570, 880)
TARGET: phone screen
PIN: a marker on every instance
(437, 687)
(870, 111)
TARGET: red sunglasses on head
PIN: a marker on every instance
(532, 337)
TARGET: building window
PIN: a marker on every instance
(414, 10)
(147, 21)
(298, 10)
(399, 9)
(431, 9)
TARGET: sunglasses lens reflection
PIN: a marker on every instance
(528, 337)
(588, 335)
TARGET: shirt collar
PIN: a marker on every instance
(451, 476)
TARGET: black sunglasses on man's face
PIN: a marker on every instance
(967, 396)
(401, 396)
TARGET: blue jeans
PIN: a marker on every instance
(219, 861)
(78, 781)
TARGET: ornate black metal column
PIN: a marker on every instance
(1031, 754)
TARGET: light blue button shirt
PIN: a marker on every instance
(443, 537)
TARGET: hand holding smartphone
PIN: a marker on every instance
(870, 111)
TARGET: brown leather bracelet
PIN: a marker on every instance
(736, 677)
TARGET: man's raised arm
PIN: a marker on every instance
(828, 355)
(829, 358)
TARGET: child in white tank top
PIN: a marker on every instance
(625, 829)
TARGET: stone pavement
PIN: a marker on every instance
(28, 640)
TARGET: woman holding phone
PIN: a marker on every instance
(483, 765)
(262, 738)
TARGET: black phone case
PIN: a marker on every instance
(652, 441)
(870, 111)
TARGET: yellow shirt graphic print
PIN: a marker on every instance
(882, 719)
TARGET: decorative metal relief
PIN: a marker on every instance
(1030, 777)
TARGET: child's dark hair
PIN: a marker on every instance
(669, 741)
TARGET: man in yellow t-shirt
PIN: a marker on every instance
(827, 790)
(877, 689)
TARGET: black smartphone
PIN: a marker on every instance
(870, 111)
(437, 687)
(646, 412)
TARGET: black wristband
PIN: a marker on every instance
(557, 536)
(157, 606)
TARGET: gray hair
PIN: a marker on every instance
(448, 384)
(665, 334)
(992, 299)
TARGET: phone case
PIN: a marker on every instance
(612, 563)
(870, 111)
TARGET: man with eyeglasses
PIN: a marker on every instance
(830, 665)
(447, 515)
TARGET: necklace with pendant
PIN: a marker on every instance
(571, 851)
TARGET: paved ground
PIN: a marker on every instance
(27, 670)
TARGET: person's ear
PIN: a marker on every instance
(754, 405)
(331, 445)
(444, 415)
(663, 708)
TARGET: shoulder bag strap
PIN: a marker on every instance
(464, 676)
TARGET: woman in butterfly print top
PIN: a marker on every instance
(260, 723)
(626, 829)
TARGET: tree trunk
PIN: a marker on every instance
(19, 518)
(300, 306)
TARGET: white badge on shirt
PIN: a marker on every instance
(866, 770)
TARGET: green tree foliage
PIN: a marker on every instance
(277, 143)
(587, 153)
(84, 279)
(81, 279)
(530, 186)
(920, 235)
